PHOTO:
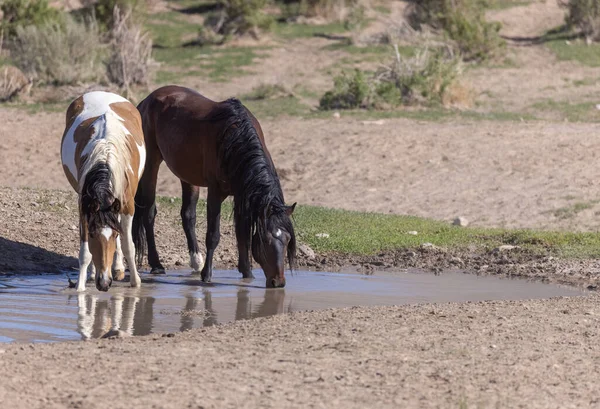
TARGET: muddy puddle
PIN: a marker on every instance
(42, 309)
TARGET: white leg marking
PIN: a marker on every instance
(129, 316)
(85, 318)
(129, 250)
(85, 258)
(117, 312)
(118, 262)
(196, 261)
(92, 272)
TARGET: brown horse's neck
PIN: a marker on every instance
(250, 172)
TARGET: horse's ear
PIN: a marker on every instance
(116, 206)
(290, 209)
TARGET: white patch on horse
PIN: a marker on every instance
(107, 232)
(94, 104)
(196, 261)
(278, 233)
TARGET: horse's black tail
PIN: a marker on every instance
(138, 230)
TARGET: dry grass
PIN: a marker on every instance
(12, 83)
(585, 16)
(130, 61)
(58, 54)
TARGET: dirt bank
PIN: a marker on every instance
(532, 354)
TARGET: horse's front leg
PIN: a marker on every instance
(118, 267)
(85, 257)
(129, 249)
(189, 199)
(244, 263)
(213, 235)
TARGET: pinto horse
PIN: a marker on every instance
(103, 156)
(218, 145)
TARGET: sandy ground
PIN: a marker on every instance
(531, 354)
(512, 174)
(496, 354)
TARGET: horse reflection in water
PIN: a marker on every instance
(96, 318)
(272, 304)
(135, 315)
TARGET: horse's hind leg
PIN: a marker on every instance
(189, 198)
(213, 234)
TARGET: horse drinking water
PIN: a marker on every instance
(218, 145)
(103, 157)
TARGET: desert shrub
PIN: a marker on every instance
(463, 21)
(58, 54)
(584, 15)
(325, 9)
(235, 18)
(267, 91)
(350, 90)
(20, 13)
(130, 52)
(427, 78)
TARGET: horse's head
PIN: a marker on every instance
(272, 242)
(104, 228)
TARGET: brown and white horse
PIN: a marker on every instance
(103, 156)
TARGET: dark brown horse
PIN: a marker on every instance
(218, 145)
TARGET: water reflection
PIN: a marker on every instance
(137, 315)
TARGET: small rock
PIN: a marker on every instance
(322, 235)
(337, 115)
(73, 227)
(116, 333)
(34, 204)
(427, 246)
(169, 335)
(67, 207)
(505, 247)
(378, 122)
(411, 254)
(598, 107)
(456, 260)
(306, 251)
(493, 346)
(412, 233)
(178, 263)
(172, 200)
(461, 221)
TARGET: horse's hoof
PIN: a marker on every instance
(248, 275)
(157, 270)
(119, 275)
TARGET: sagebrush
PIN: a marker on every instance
(426, 78)
(130, 57)
(463, 21)
(58, 54)
(236, 18)
(21, 13)
(584, 15)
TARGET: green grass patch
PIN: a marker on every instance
(573, 112)
(506, 4)
(567, 47)
(290, 31)
(276, 107)
(368, 233)
(170, 29)
(216, 63)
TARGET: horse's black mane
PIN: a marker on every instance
(257, 194)
(97, 200)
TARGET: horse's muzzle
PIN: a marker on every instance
(276, 283)
(103, 285)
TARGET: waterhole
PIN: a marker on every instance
(43, 309)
